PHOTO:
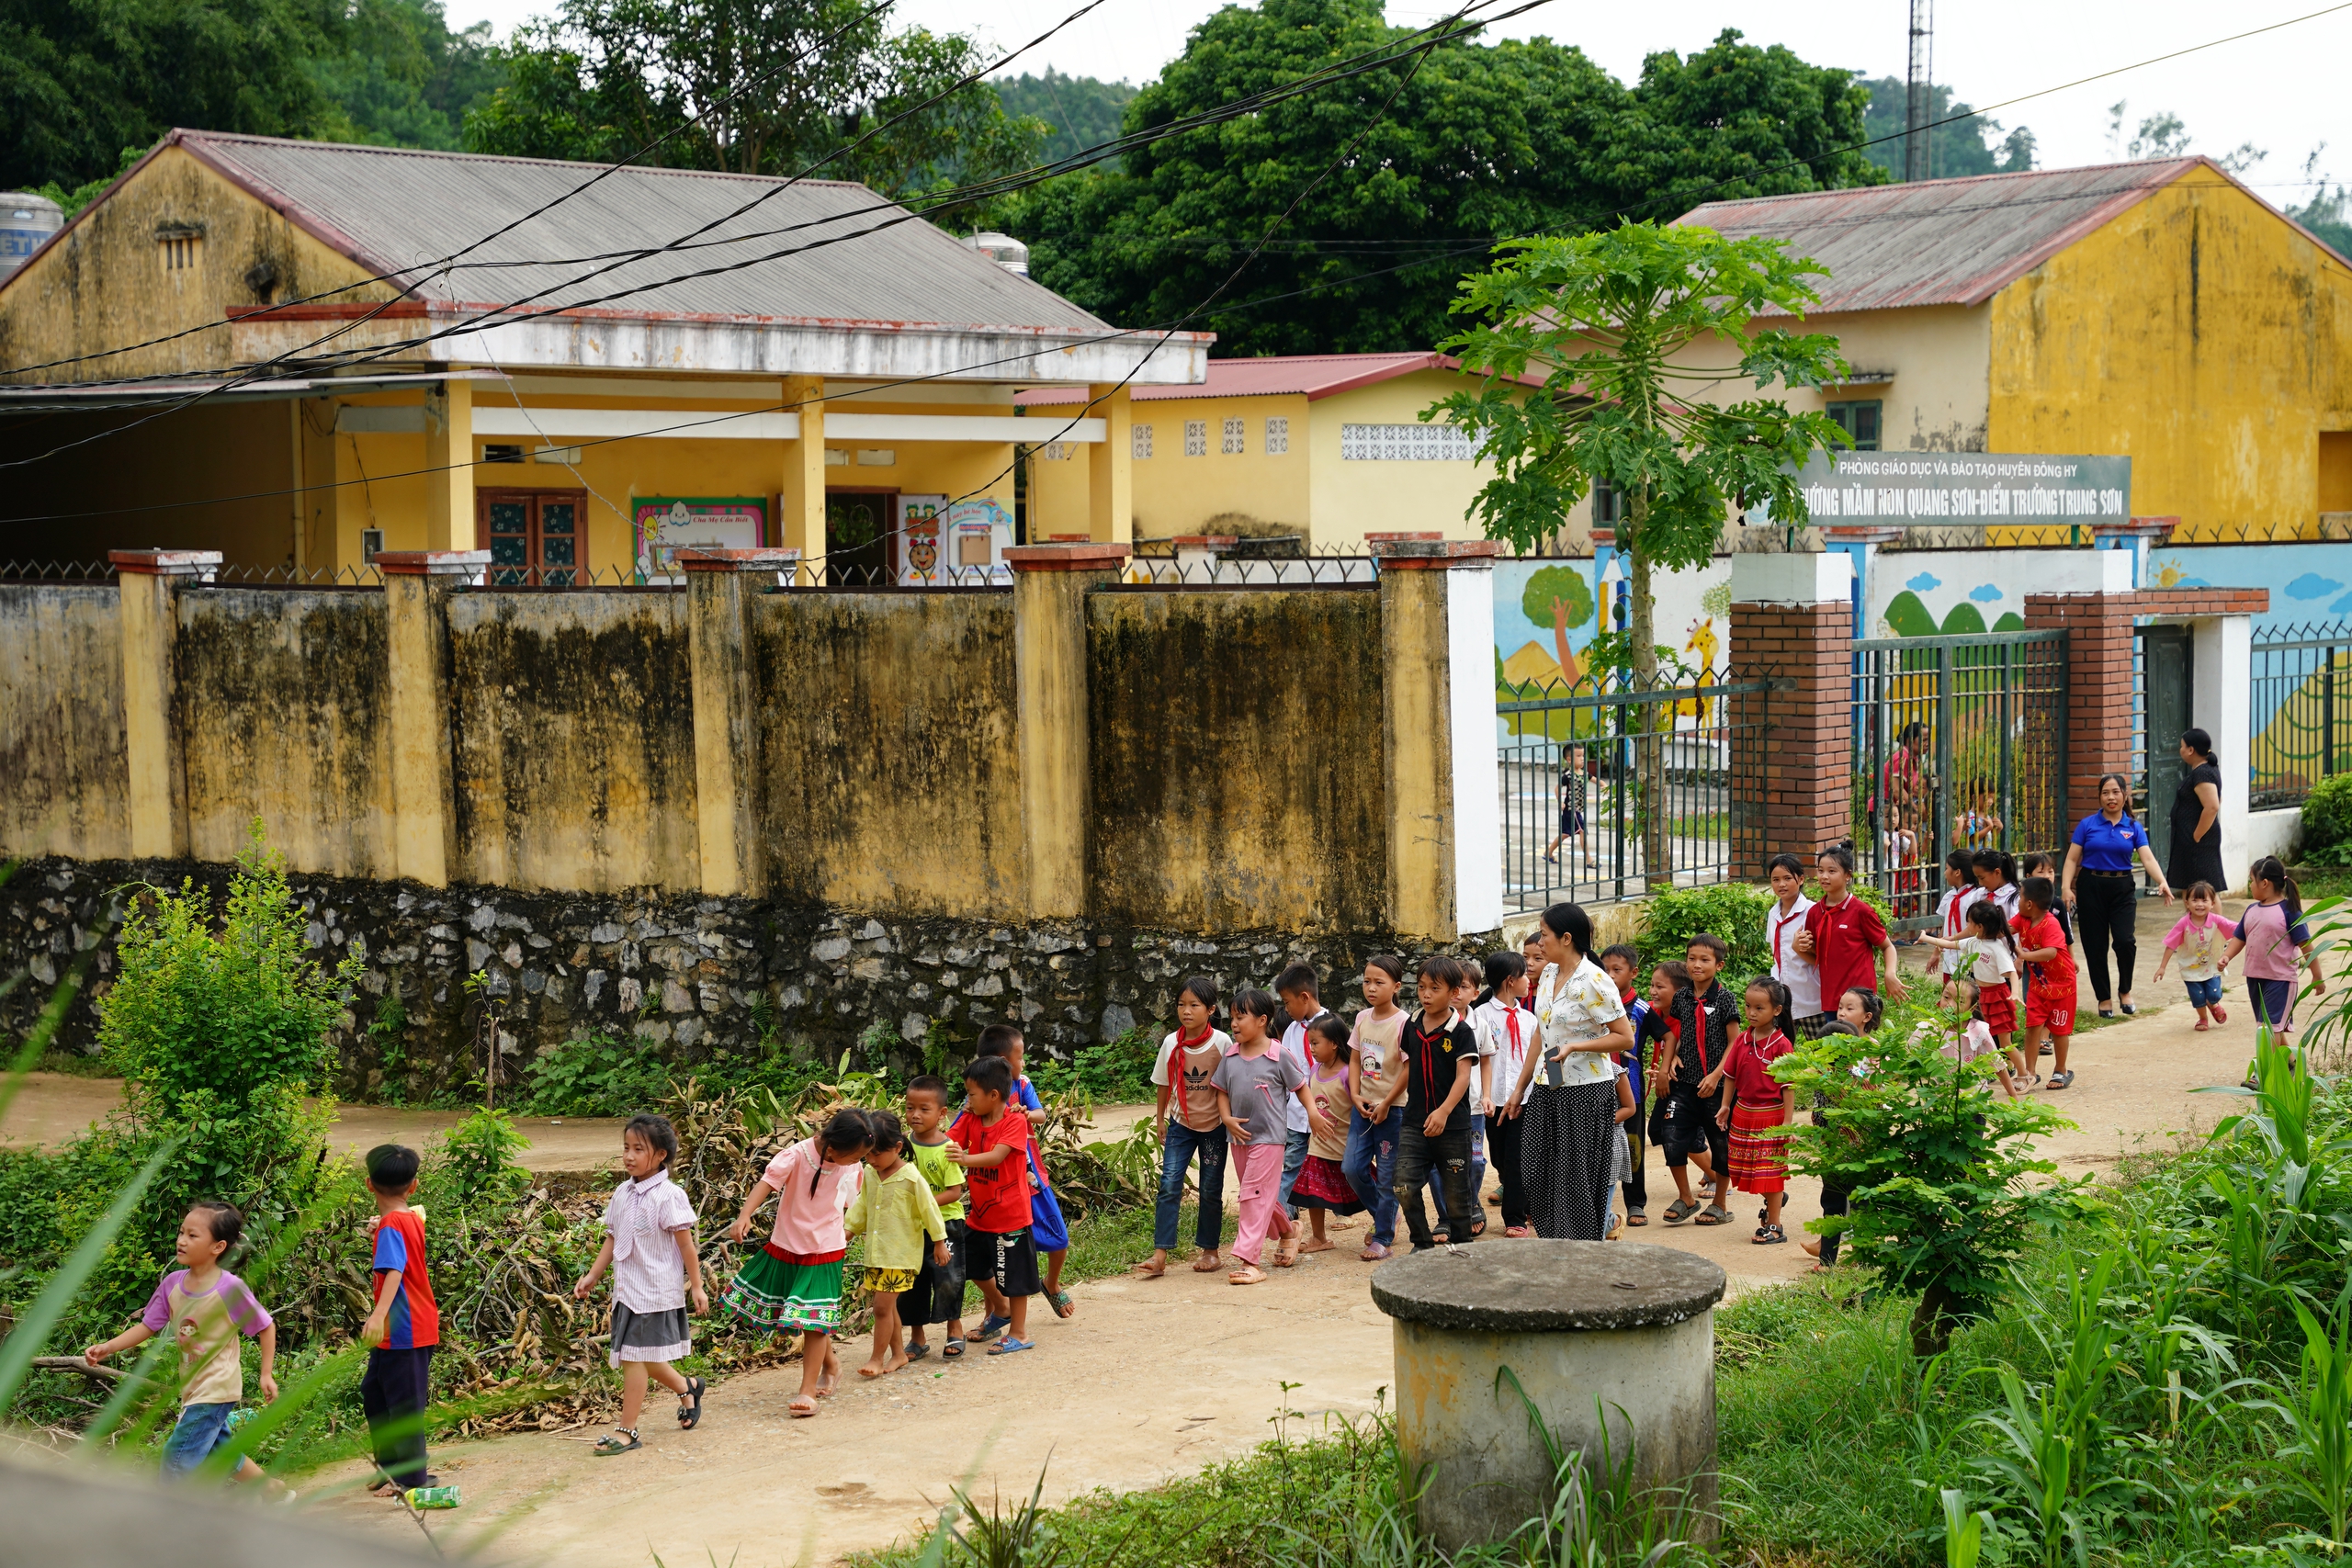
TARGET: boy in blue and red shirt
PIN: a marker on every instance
(402, 1330)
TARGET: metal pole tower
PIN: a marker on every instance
(1920, 104)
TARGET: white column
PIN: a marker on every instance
(2221, 698)
(1477, 772)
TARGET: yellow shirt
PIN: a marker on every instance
(895, 1213)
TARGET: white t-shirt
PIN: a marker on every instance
(1578, 1006)
(1799, 974)
(1190, 1081)
(1953, 912)
(1295, 1048)
(2006, 897)
(1506, 1033)
(1990, 963)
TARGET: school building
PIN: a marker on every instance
(1323, 448)
(2158, 310)
(300, 355)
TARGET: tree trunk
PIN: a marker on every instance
(1931, 1323)
(1649, 770)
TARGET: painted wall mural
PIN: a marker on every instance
(1547, 613)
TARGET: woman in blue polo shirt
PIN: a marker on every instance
(2099, 888)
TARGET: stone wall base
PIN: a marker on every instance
(692, 979)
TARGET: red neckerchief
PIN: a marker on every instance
(1183, 1046)
(1421, 1057)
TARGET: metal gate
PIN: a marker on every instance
(1960, 742)
(2167, 674)
(1608, 794)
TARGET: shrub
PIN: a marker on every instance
(595, 1074)
(1732, 910)
(2327, 822)
(1115, 1073)
(475, 1161)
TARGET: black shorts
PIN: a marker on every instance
(1684, 1125)
(1008, 1261)
(938, 1293)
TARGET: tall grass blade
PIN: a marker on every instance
(32, 1333)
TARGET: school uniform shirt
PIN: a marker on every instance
(1374, 1041)
(643, 1219)
(2004, 898)
(2200, 947)
(1846, 940)
(2272, 932)
(1792, 968)
(1193, 1098)
(1637, 1013)
(1505, 1033)
(415, 1320)
(1571, 1007)
(1259, 1087)
(1748, 1067)
(1990, 963)
(1428, 1059)
(206, 1323)
(2049, 973)
(2110, 846)
(1293, 1049)
(1704, 1025)
(998, 1203)
(1955, 923)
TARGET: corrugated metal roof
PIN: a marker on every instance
(857, 258)
(1311, 375)
(1943, 241)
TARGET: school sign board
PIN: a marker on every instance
(1903, 489)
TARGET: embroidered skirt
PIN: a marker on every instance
(650, 1336)
(778, 1289)
(1321, 1184)
(1568, 1154)
(1759, 1164)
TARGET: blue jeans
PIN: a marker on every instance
(1371, 1168)
(1182, 1143)
(201, 1429)
(1295, 1148)
(2204, 993)
(1477, 1169)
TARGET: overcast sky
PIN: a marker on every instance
(2282, 91)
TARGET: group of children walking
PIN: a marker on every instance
(1323, 1116)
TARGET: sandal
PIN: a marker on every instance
(917, 1352)
(1477, 1228)
(690, 1405)
(1518, 1233)
(1715, 1214)
(799, 1399)
(606, 1447)
(2220, 1015)
(1771, 1236)
(1637, 1217)
(991, 1327)
(1247, 1274)
(1063, 1306)
(1681, 1210)
(1009, 1345)
(1149, 1271)
(1373, 1252)
(951, 1350)
(2062, 1081)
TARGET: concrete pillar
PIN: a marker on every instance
(1437, 637)
(2220, 695)
(1110, 468)
(1611, 1348)
(148, 584)
(801, 502)
(1049, 587)
(2098, 624)
(450, 465)
(417, 584)
(719, 588)
(1792, 624)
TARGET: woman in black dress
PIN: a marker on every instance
(2197, 818)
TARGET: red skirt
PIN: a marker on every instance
(1759, 1164)
(1321, 1184)
(1998, 1009)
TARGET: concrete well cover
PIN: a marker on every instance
(1534, 1287)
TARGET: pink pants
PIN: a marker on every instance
(1261, 1170)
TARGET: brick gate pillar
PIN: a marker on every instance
(2098, 624)
(1791, 622)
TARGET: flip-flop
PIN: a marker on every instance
(690, 1405)
(1063, 1305)
(1715, 1214)
(991, 1327)
(1009, 1345)
(1679, 1210)
(917, 1352)
(2221, 1014)
(1373, 1252)
(798, 1401)
(951, 1350)
(1478, 1227)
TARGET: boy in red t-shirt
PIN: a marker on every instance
(2049, 997)
(1844, 936)
(403, 1328)
(992, 1146)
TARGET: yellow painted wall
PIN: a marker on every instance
(1939, 398)
(104, 283)
(2203, 335)
(63, 752)
(1356, 498)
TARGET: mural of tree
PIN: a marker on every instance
(1559, 594)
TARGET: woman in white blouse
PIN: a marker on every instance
(1569, 1090)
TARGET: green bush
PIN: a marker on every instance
(2327, 822)
(1732, 910)
(1116, 1073)
(475, 1161)
(595, 1074)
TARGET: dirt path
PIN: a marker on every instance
(1150, 1380)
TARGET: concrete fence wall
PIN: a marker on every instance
(663, 813)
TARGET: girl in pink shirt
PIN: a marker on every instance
(795, 1281)
(2276, 943)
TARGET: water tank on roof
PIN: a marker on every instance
(1002, 249)
(26, 222)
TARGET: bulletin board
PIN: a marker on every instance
(664, 523)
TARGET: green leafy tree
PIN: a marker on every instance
(1557, 596)
(1967, 147)
(402, 79)
(1485, 139)
(1082, 111)
(1635, 335)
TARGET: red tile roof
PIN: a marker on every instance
(1311, 375)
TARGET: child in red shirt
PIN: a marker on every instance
(2050, 993)
(1843, 934)
(999, 1253)
(1758, 1100)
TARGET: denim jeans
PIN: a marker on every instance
(1477, 1169)
(1295, 1148)
(1447, 1158)
(2204, 993)
(200, 1429)
(1182, 1143)
(1371, 1168)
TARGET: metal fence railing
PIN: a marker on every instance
(2301, 719)
(1959, 742)
(1610, 793)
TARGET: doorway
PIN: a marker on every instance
(536, 538)
(2168, 663)
(861, 543)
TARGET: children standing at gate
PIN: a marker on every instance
(2201, 936)
(1188, 1062)
(1758, 1102)
(992, 1148)
(2272, 935)
(793, 1283)
(1253, 1085)
(650, 1247)
(1322, 1187)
